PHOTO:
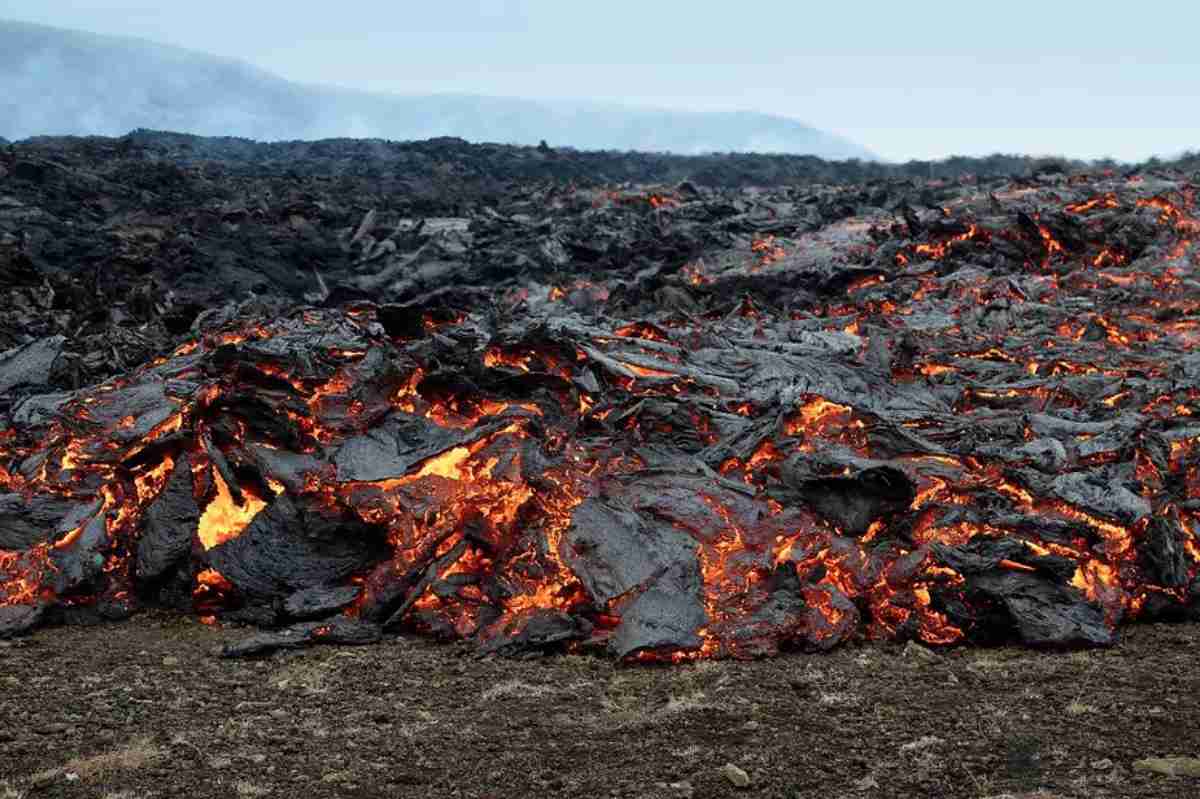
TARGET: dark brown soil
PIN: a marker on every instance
(146, 709)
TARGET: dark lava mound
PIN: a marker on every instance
(722, 423)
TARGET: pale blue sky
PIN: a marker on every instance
(916, 79)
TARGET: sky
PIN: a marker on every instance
(919, 79)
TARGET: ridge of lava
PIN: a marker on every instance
(968, 423)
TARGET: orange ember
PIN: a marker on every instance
(224, 519)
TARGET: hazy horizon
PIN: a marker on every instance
(904, 83)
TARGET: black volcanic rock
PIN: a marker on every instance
(664, 422)
(30, 365)
(291, 546)
(170, 525)
(18, 620)
(24, 523)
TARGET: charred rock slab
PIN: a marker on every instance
(24, 523)
(79, 562)
(319, 602)
(666, 616)
(170, 526)
(615, 550)
(1043, 613)
(30, 366)
(293, 545)
(538, 632)
(16, 620)
(395, 447)
(334, 631)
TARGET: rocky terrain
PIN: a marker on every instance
(144, 710)
(907, 422)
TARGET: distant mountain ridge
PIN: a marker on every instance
(56, 82)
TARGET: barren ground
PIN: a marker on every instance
(145, 709)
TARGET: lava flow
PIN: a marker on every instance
(980, 425)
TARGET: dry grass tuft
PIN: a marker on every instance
(137, 754)
(10, 791)
(685, 702)
(306, 676)
(1077, 708)
(517, 688)
(837, 698)
(921, 744)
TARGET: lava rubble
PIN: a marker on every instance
(968, 422)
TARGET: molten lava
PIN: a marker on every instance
(985, 429)
(224, 518)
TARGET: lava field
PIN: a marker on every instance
(660, 422)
